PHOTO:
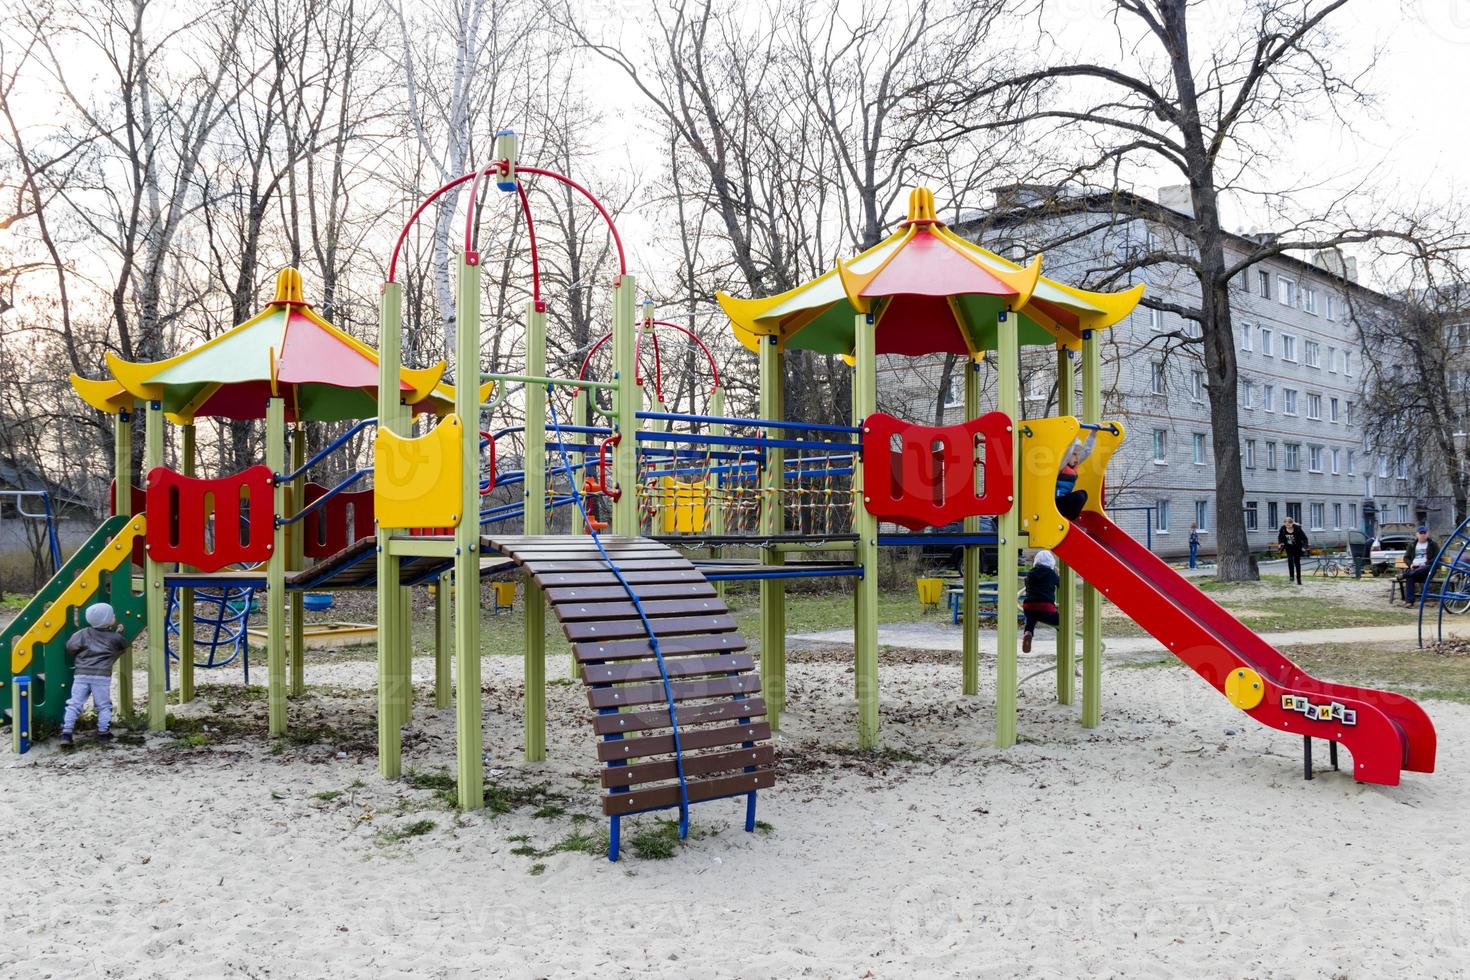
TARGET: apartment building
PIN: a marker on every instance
(1301, 441)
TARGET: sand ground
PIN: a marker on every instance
(1177, 839)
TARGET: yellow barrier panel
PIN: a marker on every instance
(1043, 444)
(417, 481)
(119, 551)
(683, 505)
(931, 590)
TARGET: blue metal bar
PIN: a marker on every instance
(327, 450)
(754, 442)
(851, 430)
(318, 502)
(1110, 427)
(713, 574)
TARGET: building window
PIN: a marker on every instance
(1286, 291)
(1266, 348)
(1202, 515)
(1401, 470)
(1161, 516)
(1270, 455)
(1314, 459)
(1157, 377)
(1332, 409)
(1199, 449)
(1288, 401)
(1248, 394)
(1347, 363)
(1288, 347)
(1252, 516)
(1331, 308)
(1337, 516)
(1268, 397)
(1347, 411)
(1293, 456)
(1161, 445)
(1196, 386)
(1263, 284)
(1294, 510)
(1246, 333)
(1250, 454)
(1336, 461)
(1155, 320)
(1319, 515)
(1312, 352)
(1309, 300)
(1332, 359)
(1403, 513)
(1352, 464)
(1352, 515)
(1314, 405)
(1273, 514)
(1383, 466)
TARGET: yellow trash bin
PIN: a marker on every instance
(505, 594)
(930, 590)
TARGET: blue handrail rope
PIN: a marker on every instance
(653, 643)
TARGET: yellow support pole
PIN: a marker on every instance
(1008, 400)
(534, 606)
(275, 572)
(156, 603)
(390, 733)
(1091, 601)
(772, 522)
(297, 560)
(122, 503)
(629, 397)
(970, 588)
(1066, 588)
(865, 551)
(469, 702)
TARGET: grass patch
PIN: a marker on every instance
(525, 850)
(440, 782)
(1404, 668)
(762, 827)
(500, 799)
(328, 795)
(578, 842)
(550, 810)
(656, 843)
(416, 828)
(1145, 664)
(536, 870)
(883, 754)
(193, 740)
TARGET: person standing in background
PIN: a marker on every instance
(1293, 541)
(1193, 545)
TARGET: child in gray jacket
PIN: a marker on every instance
(96, 648)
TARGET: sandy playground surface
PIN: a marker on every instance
(1176, 840)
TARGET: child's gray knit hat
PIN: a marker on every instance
(100, 614)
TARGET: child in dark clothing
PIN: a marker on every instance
(96, 648)
(1040, 603)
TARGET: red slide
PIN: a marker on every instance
(1384, 732)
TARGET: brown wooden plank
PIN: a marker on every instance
(652, 608)
(614, 593)
(674, 646)
(685, 714)
(659, 576)
(620, 629)
(620, 804)
(635, 694)
(694, 766)
(590, 553)
(628, 564)
(609, 541)
(622, 672)
(692, 740)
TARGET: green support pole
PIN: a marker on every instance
(122, 503)
(865, 553)
(156, 603)
(469, 725)
(717, 506)
(443, 633)
(187, 461)
(625, 421)
(1066, 587)
(297, 558)
(275, 572)
(1008, 400)
(772, 522)
(534, 606)
(1091, 601)
(970, 636)
(390, 733)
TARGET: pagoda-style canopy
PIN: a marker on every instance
(287, 349)
(932, 292)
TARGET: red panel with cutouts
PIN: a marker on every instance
(343, 520)
(208, 524)
(925, 476)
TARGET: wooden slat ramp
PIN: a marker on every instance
(725, 740)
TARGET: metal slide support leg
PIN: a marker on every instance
(1066, 587)
(1091, 600)
(122, 503)
(275, 573)
(970, 589)
(865, 551)
(469, 701)
(187, 459)
(156, 602)
(1306, 757)
(1008, 551)
(533, 603)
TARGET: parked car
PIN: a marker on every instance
(952, 556)
(1386, 550)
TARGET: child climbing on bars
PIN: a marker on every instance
(95, 649)
(1040, 603)
(1070, 500)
